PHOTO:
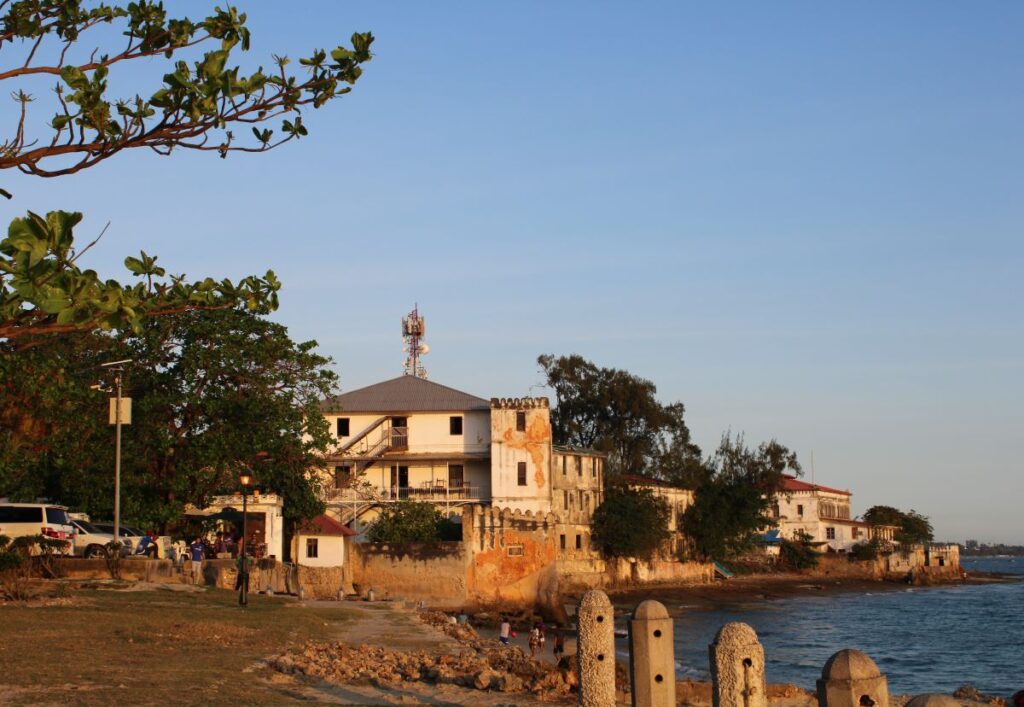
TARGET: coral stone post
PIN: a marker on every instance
(652, 656)
(595, 650)
(851, 679)
(737, 668)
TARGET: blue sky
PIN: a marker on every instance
(802, 220)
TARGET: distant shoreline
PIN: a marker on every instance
(761, 587)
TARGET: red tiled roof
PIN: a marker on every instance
(324, 525)
(790, 483)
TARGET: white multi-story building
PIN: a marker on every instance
(823, 514)
(409, 438)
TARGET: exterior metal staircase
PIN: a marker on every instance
(372, 450)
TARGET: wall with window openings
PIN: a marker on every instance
(521, 454)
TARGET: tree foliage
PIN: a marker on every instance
(864, 551)
(410, 522)
(44, 291)
(732, 506)
(211, 390)
(616, 412)
(912, 527)
(198, 105)
(631, 522)
(798, 553)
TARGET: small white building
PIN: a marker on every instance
(320, 542)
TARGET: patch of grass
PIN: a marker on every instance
(153, 647)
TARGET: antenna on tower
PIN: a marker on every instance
(414, 328)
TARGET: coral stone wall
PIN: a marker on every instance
(435, 573)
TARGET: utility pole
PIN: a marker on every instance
(118, 368)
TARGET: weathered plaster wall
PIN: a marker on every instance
(511, 446)
(436, 574)
(513, 557)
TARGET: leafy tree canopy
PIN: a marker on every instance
(616, 412)
(44, 291)
(912, 526)
(410, 522)
(198, 105)
(732, 506)
(631, 522)
(211, 391)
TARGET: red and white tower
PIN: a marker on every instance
(414, 328)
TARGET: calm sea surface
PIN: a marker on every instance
(924, 640)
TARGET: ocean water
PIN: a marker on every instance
(923, 640)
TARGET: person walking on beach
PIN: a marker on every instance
(540, 636)
(506, 630)
(559, 647)
(534, 641)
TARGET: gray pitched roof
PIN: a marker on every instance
(405, 394)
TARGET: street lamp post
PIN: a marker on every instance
(243, 561)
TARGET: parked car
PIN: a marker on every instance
(131, 536)
(21, 519)
(90, 541)
(128, 537)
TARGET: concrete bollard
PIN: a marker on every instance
(737, 668)
(851, 679)
(652, 656)
(595, 650)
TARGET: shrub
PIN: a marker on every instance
(798, 554)
(15, 569)
(631, 522)
(864, 552)
(412, 522)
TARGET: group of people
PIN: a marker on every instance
(538, 638)
(228, 544)
(225, 545)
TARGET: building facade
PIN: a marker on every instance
(409, 438)
(823, 515)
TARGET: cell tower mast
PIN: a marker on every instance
(414, 328)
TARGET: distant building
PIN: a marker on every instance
(822, 513)
(678, 499)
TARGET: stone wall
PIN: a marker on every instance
(434, 573)
(512, 558)
(139, 570)
(577, 575)
(320, 582)
(508, 559)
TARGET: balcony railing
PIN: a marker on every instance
(433, 491)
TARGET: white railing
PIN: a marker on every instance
(437, 492)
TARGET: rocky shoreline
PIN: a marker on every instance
(484, 666)
(481, 665)
(755, 587)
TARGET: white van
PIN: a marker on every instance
(20, 519)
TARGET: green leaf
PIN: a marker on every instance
(74, 77)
